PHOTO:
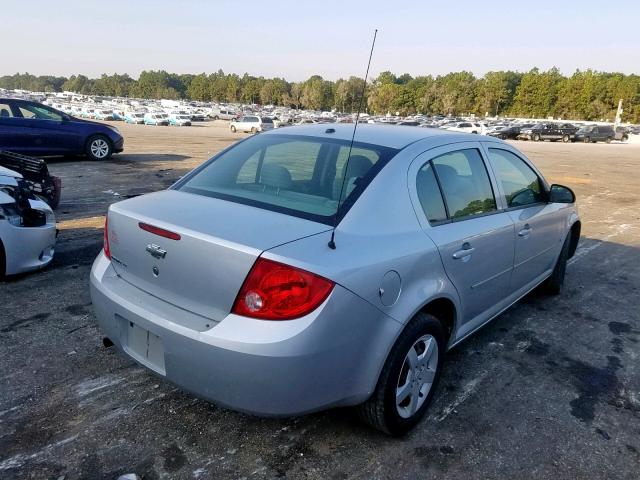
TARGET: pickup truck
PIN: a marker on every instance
(549, 131)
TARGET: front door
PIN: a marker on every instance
(475, 239)
(538, 224)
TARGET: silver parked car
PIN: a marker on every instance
(27, 227)
(234, 284)
(251, 123)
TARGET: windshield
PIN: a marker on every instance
(297, 175)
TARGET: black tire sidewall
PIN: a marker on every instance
(421, 324)
(88, 147)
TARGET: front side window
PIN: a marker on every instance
(465, 183)
(291, 174)
(520, 183)
(39, 112)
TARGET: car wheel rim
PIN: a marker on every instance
(416, 376)
(99, 148)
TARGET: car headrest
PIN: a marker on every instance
(358, 166)
(276, 176)
(4, 113)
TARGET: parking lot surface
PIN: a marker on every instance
(550, 389)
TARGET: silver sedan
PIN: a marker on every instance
(296, 271)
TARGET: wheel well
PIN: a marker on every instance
(575, 237)
(445, 311)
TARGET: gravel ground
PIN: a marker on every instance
(550, 389)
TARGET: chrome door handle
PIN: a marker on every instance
(466, 251)
(525, 231)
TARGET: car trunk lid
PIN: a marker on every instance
(203, 269)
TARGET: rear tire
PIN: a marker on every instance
(608, 140)
(553, 284)
(565, 138)
(253, 130)
(98, 147)
(233, 129)
(383, 409)
(587, 140)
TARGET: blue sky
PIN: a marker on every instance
(296, 39)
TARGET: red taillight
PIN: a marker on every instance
(274, 291)
(107, 250)
(159, 231)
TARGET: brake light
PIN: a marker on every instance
(274, 291)
(159, 231)
(107, 250)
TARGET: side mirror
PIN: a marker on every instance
(561, 194)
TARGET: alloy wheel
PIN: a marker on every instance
(416, 376)
(99, 148)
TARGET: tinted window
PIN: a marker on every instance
(429, 194)
(5, 110)
(520, 183)
(39, 112)
(266, 120)
(296, 175)
(465, 183)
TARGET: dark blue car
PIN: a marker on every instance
(35, 129)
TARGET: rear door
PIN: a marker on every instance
(538, 224)
(14, 130)
(461, 215)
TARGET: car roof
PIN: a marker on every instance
(392, 136)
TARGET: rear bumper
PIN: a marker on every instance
(331, 357)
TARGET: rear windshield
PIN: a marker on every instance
(297, 175)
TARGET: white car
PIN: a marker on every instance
(466, 127)
(179, 119)
(27, 227)
(251, 123)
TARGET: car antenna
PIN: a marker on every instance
(332, 243)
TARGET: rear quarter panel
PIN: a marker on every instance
(380, 234)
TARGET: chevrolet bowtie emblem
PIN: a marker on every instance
(156, 250)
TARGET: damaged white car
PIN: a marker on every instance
(27, 227)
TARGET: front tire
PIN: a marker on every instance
(253, 130)
(233, 129)
(536, 137)
(608, 140)
(99, 148)
(587, 140)
(408, 379)
(565, 138)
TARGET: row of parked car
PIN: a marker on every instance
(565, 132)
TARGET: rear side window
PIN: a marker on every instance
(292, 174)
(266, 120)
(521, 185)
(465, 183)
(429, 195)
(5, 110)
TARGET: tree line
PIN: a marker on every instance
(585, 95)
